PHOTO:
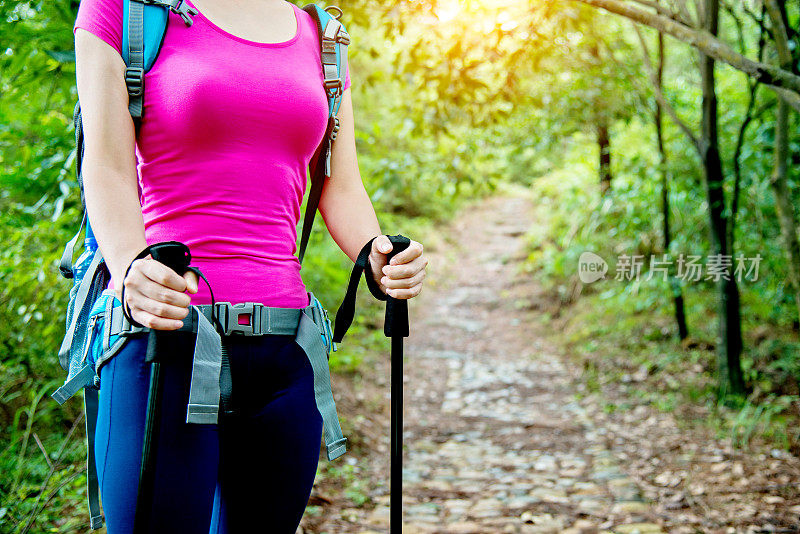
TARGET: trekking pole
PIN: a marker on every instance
(395, 327)
(175, 256)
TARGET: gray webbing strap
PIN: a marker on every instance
(204, 390)
(107, 324)
(90, 404)
(73, 385)
(333, 35)
(262, 319)
(134, 74)
(333, 80)
(65, 265)
(330, 66)
(80, 302)
(308, 337)
(120, 325)
(266, 320)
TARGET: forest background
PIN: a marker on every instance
(645, 151)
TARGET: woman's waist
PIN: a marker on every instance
(278, 293)
(237, 279)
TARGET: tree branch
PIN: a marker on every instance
(779, 33)
(684, 11)
(709, 45)
(737, 164)
(781, 38)
(748, 118)
(663, 11)
(662, 100)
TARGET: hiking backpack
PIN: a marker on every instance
(144, 26)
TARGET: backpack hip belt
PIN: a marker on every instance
(263, 320)
(310, 326)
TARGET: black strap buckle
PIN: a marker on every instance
(179, 7)
(186, 12)
(229, 318)
(134, 80)
(335, 129)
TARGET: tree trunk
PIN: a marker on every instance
(729, 343)
(604, 142)
(675, 286)
(783, 200)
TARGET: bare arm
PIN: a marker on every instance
(348, 213)
(109, 164)
(345, 205)
(110, 186)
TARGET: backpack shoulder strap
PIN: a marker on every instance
(144, 24)
(333, 38)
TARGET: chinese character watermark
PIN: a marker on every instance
(629, 267)
(687, 267)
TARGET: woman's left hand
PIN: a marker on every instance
(402, 277)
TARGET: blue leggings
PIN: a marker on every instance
(251, 473)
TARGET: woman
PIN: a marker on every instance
(234, 109)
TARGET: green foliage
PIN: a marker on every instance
(766, 417)
(37, 79)
(355, 487)
(618, 326)
(32, 311)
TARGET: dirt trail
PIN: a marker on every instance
(495, 440)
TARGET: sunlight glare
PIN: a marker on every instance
(447, 10)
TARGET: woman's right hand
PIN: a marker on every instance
(155, 294)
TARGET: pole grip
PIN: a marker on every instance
(173, 254)
(396, 319)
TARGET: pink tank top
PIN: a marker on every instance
(229, 128)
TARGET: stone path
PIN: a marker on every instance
(495, 441)
(496, 438)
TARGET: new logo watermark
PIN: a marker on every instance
(591, 267)
(688, 267)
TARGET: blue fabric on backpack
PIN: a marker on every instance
(323, 17)
(155, 24)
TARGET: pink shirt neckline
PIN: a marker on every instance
(229, 35)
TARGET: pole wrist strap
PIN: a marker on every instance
(346, 311)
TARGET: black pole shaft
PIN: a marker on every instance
(177, 257)
(396, 328)
(396, 487)
(146, 490)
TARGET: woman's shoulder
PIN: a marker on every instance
(102, 18)
(307, 18)
(310, 22)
